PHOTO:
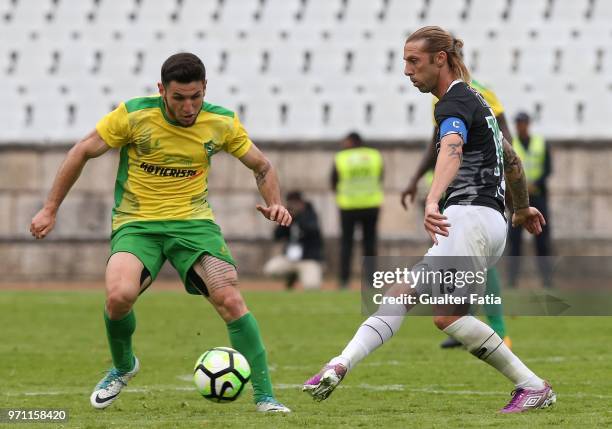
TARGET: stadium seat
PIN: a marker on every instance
(491, 64)
(290, 63)
(277, 17)
(306, 118)
(33, 60)
(485, 12)
(263, 123)
(527, 13)
(330, 61)
(375, 61)
(452, 12)
(401, 18)
(606, 62)
(318, 17)
(570, 13)
(602, 13)
(296, 65)
(26, 17)
(68, 20)
(196, 16)
(578, 63)
(12, 111)
(598, 96)
(109, 20)
(360, 18)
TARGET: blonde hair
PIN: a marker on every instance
(440, 40)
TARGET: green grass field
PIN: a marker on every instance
(53, 351)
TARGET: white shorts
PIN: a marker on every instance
(475, 231)
(476, 241)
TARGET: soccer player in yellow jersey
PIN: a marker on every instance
(425, 168)
(161, 212)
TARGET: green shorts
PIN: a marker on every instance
(182, 242)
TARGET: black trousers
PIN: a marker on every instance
(368, 219)
(542, 244)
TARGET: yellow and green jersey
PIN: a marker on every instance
(163, 167)
(489, 96)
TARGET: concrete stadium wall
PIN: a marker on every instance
(581, 201)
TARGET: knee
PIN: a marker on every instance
(232, 306)
(443, 322)
(118, 303)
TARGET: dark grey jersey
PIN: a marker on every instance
(480, 179)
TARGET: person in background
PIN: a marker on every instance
(357, 182)
(303, 246)
(534, 152)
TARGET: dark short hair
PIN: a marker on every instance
(355, 138)
(522, 117)
(294, 196)
(184, 67)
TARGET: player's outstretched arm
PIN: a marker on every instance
(91, 146)
(428, 161)
(267, 183)
(524, 215)
(447, 166)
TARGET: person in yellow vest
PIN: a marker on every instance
(535, 155)
(357, 181)
(425, 169)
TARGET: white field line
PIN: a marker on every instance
(412, 362)
(280, 386)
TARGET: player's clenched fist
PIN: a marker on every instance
(42, 223)
(277, 213)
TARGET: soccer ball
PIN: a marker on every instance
(220, 374)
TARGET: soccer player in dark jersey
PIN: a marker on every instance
(472, 159)
(425, 168)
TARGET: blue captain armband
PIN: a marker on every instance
(453, 125)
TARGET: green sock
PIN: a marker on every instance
(245, 338)
(495, 313)
(119, 333)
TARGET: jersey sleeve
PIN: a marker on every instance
(114, 127)
(238, 142)
(453, 108)
(453, 126)
(492, 100)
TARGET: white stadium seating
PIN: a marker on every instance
(301, 69)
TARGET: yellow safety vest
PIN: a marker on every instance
(359, 173)
(429, 175)
(533, 159)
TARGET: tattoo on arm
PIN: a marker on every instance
(260, 176)
(515, 176)
(454, 151)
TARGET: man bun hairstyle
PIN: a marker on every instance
(183, 67)
(439, 40)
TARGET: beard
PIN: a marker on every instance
(176, 117)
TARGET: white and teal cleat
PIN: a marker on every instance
(107, 390)
(271, 405)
